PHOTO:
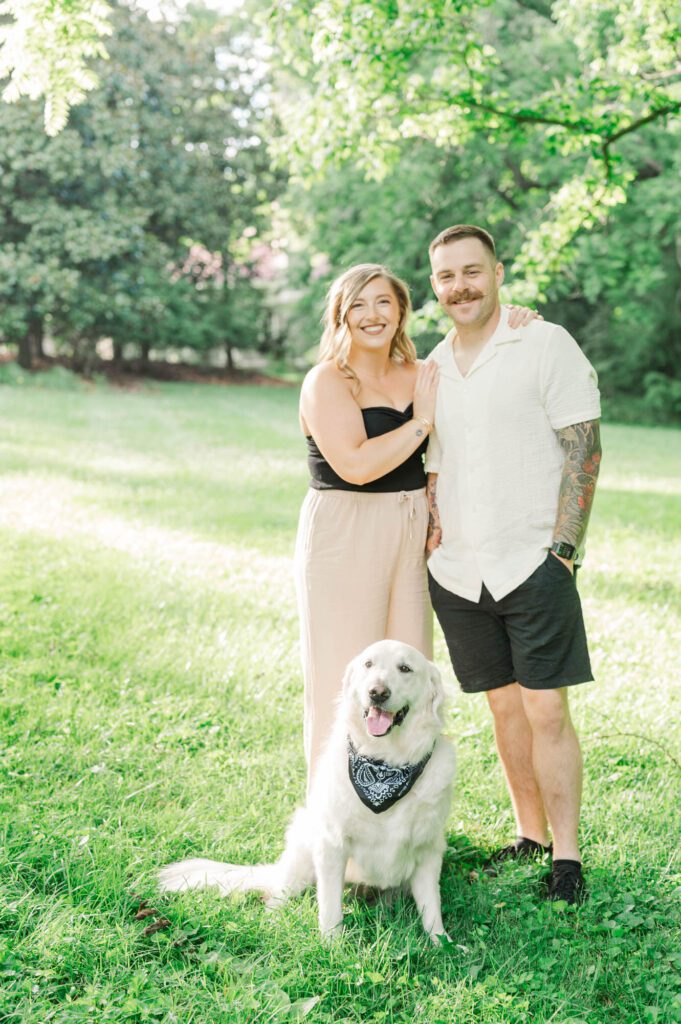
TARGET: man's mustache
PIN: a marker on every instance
(465, 296)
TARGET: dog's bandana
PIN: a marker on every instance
(380, 785)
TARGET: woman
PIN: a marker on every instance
(366, 410)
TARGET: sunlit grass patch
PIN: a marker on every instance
(151, 710)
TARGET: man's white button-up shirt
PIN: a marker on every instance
(495, 450)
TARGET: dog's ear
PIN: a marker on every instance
(437, 691)
(348, 675)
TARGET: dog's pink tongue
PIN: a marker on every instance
(379, 721)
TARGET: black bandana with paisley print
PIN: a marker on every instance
(380, 785)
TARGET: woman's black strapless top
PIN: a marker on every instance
(378, 419)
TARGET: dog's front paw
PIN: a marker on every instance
(441, 939)
(333, 934)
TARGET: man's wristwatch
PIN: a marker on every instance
(563, 550)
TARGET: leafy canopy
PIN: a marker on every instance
(44, 49)
(166, 158)
(576, 78)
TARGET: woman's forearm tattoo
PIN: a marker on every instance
(581, 443)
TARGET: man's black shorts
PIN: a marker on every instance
(534, 636)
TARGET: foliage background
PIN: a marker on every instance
(227, 164)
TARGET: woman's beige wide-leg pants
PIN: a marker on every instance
(360, 577)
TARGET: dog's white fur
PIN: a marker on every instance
(335, 838)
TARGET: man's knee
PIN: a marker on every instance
(547, 711)
(505, 701)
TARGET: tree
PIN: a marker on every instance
(342, 219)
(389, 145)
(45, 46)
(97, 222)
(566, 80)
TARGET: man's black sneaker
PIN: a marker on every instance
(566, 882)
(521, 849)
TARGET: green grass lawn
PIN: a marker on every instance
(151, 710)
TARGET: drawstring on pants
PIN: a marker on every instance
(408, 496)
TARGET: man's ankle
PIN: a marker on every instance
(537, 836)
(566, 851)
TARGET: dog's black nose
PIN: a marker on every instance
(379, 693)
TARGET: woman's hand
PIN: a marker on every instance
(521, 316)
(332, 416)
(425, 391)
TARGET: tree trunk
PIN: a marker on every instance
(36, 329)
(229, 353)
(26, 357)
(118, 354)
(145, 346)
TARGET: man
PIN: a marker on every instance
(512, 468)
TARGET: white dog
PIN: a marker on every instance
(378, 804)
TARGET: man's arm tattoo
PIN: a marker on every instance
(433, 510)
(581, 443)
(434, 534)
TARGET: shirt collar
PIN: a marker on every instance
(504, 333)
(501, 336)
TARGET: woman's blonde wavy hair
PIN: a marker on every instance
(336, 339)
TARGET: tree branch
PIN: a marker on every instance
(507, 199)
(650, 169)
(673, 108)
(523, 182)
(661, 76)
(522, 117)
(538, 7)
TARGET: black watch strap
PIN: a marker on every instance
(564, 550)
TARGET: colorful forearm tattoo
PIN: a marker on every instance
(581, 443)
(433, 511)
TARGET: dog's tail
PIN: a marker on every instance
(292, 873)
(199, 873)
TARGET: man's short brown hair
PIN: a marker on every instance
(459, 231)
